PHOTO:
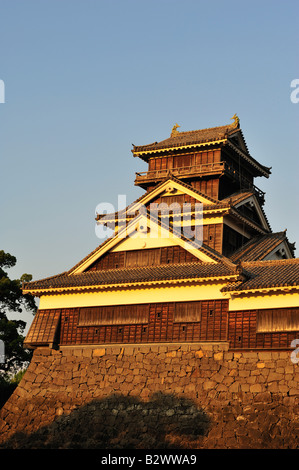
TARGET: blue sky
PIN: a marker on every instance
(84, 79)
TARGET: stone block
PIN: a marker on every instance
(273, 376)
(265, 355)
(30, 376)
(199, 354)
(264, 397)
(40, 378)
(99, 352)
(260, 365)
(237, 355)
(78, 352)
(234, 387)
(228, 380)
(218, 356)
(218, 377)
(87, 352)
(171, 354)
(273, 387)
(256, 388)
(209, 384)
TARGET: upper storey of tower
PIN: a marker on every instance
(217, 158)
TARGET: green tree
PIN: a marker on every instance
(11, 331)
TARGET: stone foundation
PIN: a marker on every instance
(154, 396)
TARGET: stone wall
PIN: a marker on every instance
(154, 396)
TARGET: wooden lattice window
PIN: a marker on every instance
(187, 312)
(142, 257)
(113, 315)
(278, 320)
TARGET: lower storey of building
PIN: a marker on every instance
(208, 320)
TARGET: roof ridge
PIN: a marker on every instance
(224, 129)
(231, 125)
(55, 276)
(158, 273)
(141, 268)
(271, 261)
(239, 193)
(90, 254)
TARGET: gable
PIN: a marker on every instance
(251, 209)
(173, 190)
(170, 191)
(166, 255)
(238, 140)
(144, 232)
(281, 251)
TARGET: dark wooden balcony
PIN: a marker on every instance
(146, 178)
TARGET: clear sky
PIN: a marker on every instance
(84, 79)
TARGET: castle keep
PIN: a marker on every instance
(236, 282)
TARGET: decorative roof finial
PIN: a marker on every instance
(236, 122)
(174, 130)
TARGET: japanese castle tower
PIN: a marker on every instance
(194, 259)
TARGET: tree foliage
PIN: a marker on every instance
(12, 299)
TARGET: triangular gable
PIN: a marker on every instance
(250, 202)
(172, 186)
(282, 251)
(237, 141)
(272, 246)
(146, 228)
(169, 187)
(237, 138)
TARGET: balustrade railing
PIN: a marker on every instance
(198, 170)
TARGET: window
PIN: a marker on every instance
(187, 312)
(278, 320)
(113, 315)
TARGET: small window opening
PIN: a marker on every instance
(211, 313)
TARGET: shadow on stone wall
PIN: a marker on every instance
(121, 422)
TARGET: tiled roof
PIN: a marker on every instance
(267, 274)
(211, 134)
(221, 134)
(178, 271)
(259, 247)
(238, 197)
(44, 328)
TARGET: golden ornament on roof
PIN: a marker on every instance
(174, 130)
(236, 121)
